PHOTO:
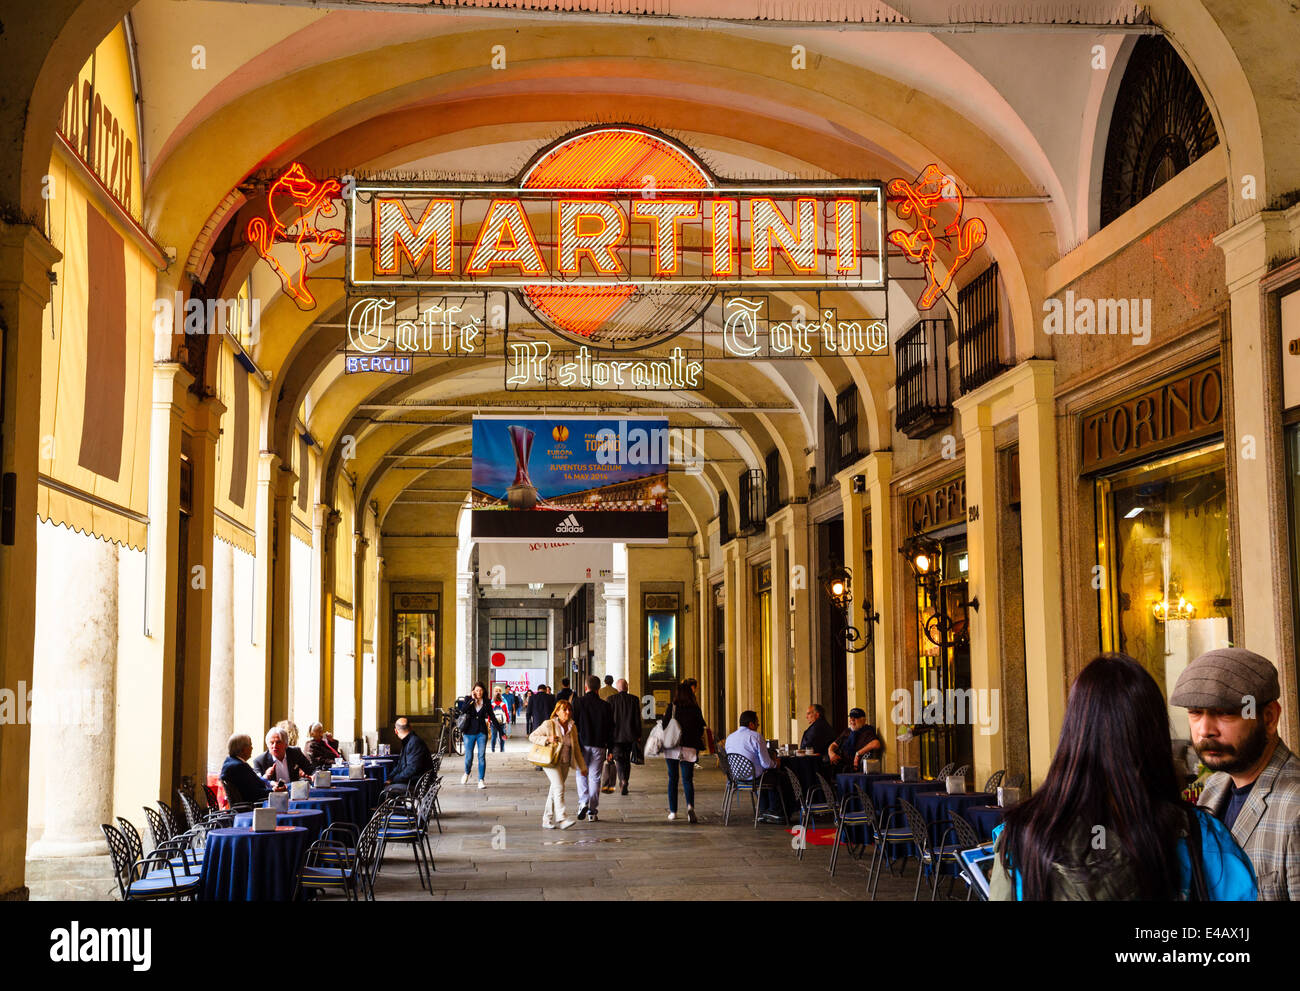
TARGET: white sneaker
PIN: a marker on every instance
(481, 783)
(672, 816)
(548, 825)
(567, 823)
(464, 779)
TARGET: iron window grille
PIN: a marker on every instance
(753, 490)
(979, 347)
(773, 477)
(846, 421)
(921, 392)
(724, 519)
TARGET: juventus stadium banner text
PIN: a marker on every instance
(573, 478)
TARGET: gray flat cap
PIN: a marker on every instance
(1224, 679)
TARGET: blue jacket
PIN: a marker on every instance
(1229, 876)
(413, 762)
(242, 783)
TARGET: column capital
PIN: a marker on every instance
(876, 467)
(1031, 381)
(27, 259)
(205, 418)
(615, 590)
(1249, 246)
(171, 382)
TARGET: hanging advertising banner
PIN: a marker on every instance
(544, 561)
(575, 479)
(517, 680)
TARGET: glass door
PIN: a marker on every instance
(415, 666)
(945, 731)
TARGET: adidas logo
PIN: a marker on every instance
(569, 524)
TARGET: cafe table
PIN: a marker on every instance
(312, 820)
(332, 807)
(984, 818)
(845, 782)
(805, 769)
(369, 786)
(935, 807)
(240, 865)
(372, 771)
(354, 802)
(887, 793)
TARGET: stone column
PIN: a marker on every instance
(729, 611)
(861, 676)
(464, 633)
(779, 625)
(278, 640)
(361, 620)
(798, 606)
(1040, 522)
(75, 668)
(326, 526)
(26, 258)
(704, 607)
(878, 469)
(616, 629)
(221, 696)
(982, 526)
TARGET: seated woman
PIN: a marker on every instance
(318, 751)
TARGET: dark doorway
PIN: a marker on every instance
(719, 656)
(831, 657)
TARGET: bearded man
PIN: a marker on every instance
(1231, 697)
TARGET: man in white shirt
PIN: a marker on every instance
(747, 742)
(281, 762)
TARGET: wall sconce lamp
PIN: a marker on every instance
(839, 587)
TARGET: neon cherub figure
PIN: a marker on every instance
(921, 244)
(295, 203)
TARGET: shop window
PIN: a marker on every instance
(415, 668)
(1159, 126)
(979, 344)
(763, 587)
(1166, 579)
(517, 633)
(922, 402)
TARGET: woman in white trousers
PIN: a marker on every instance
(561, 729)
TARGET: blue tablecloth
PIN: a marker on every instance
(887, 793)
(938, 806)
(369, 788)
(805, 769)
(385, 766)
(373, 772)
(240, 865)
(984, 818)
(333, 808)
(312, 820)
(354, 802)
(844, 783)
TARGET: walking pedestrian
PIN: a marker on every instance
(559, 728)
(681, 758)
(1108, 823)
(475, 731)
(565, 693)
(595, 735)
(626, 710)
(500, 715)
(608, 691)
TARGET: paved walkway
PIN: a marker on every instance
(493, 846)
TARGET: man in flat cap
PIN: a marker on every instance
(1231, 698)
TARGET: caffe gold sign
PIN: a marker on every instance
(937, 507)
(1182, 408)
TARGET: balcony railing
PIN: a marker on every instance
(978, 343)
(753, 501)
(921, 393)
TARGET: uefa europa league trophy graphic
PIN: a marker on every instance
(523, 493)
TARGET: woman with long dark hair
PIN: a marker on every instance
(1108, 822)
(681, 758)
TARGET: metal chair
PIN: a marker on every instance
(963, 837)
(925, 862)
(864, 816)
(407, 822)
(995, 779)
(962, 771)
(889, 834)
(158, 828)
(210, 796)
(808, 809)
(743, 776)
(341, 859)
(944, 771)
(169, 817)
(135, 846)
(152, 877)
(189, 809)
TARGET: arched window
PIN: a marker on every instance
(1160, 125)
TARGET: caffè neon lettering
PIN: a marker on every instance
(439, 329)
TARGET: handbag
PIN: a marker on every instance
(609, 775)
(545, 754)
(462, 721)
(634, 752)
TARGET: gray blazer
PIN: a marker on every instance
(1268, 825)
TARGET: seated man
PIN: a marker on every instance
(414, 759)
(320, 753)
(819, 735)
(858, 741)
(238, 779)
(280, 762)
(747, 742)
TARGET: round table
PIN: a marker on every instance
(805, 769)
(354, 802)
(332, 808)
(935, 807)
(372, 772)
(312, 820)
(887, 793)
(385, 766)
(240, 865)
(984, 818)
